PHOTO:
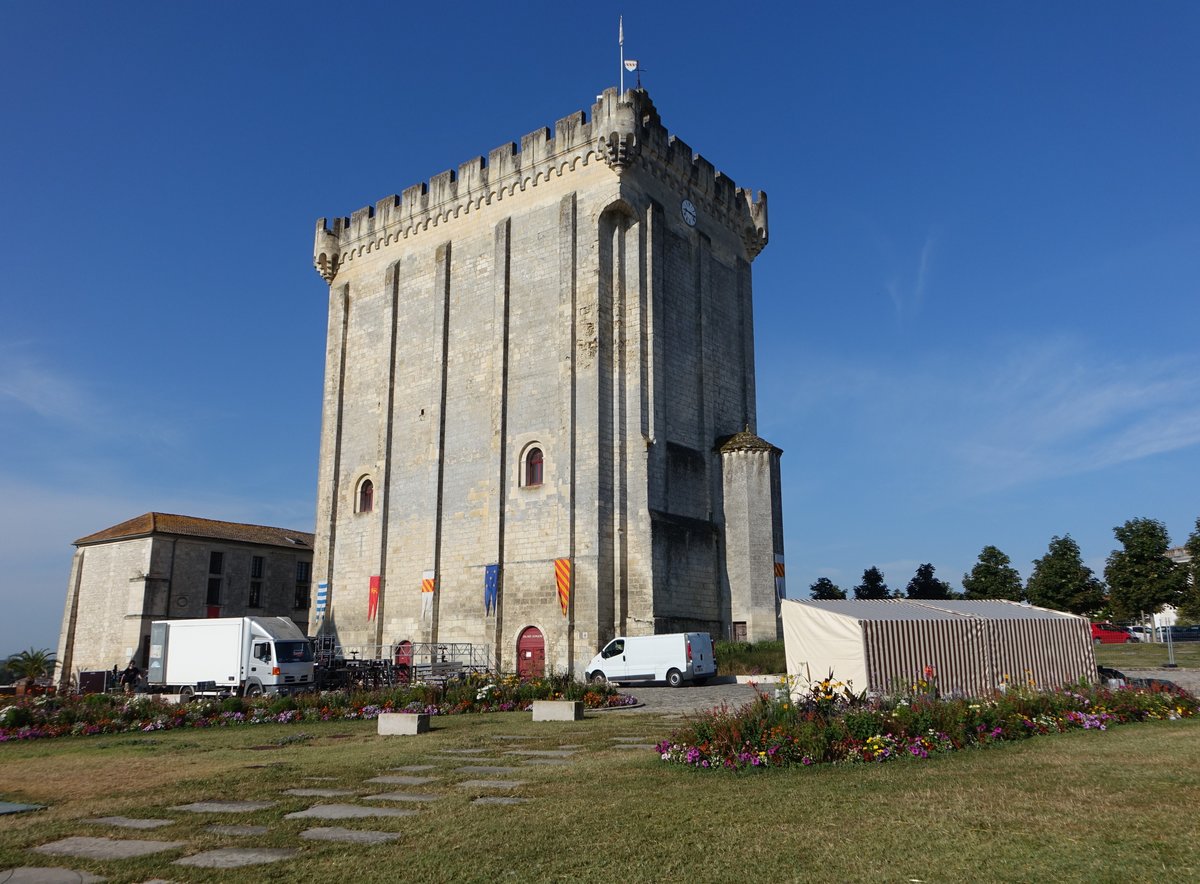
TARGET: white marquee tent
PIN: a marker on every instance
(973, 646)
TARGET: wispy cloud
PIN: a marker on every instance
(29, 384)
(906, 286)
(1021, 412)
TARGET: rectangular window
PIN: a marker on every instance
(214, 591)
(303, 581)
(216, 563)
(255, 600)
(256, 567)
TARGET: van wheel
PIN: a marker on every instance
(254, 689)
(675, 678)
(186, 694)
(598, 678)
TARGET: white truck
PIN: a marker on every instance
(675, 658)
(249, 656)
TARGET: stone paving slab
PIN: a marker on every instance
(402, 796)
(351, 836)
(236, 857)
(225, 806)
(105, 848)
(499, 799)
(125, 822)
(478, 750)
(319, 793)
(15, 807)
(403, 780)
(239, 831)
(487, 768)
(415, 768)
(542, 753)
(321, 779)
(555, 762)
(346, 812)
(628, 739)
(634, 746)
(491, 784)
(53, 875)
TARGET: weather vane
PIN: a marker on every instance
(631, 64)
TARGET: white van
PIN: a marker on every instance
(674, 658)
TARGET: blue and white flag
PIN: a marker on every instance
(491, 579)
(322, 598)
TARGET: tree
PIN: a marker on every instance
(30, 665)
(993, 577)
(1189, 605)
(1141, 578)
(824, 588)
(872, 586)
(925, 586)
(1061, 580)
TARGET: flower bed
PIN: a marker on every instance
(85, 715)
(827, 723)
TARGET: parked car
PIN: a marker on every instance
(1108, 634)
(1179, 633)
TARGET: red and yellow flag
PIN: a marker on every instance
(562, 577)
(373, 598)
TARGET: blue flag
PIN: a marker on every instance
(491, 578)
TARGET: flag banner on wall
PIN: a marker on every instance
(491, 579)
(426, 595)
(562, 577)
(373, 598)
(322, 599)
(780, 589)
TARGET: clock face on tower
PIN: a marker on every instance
(688, 210)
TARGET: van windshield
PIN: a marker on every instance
(294, 652)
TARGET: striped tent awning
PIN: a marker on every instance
(974, 647)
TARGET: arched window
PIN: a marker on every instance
(533, 467)
(366, 496)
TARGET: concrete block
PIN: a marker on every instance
(403, 724)
(557, 710)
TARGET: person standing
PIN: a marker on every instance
(130, 676)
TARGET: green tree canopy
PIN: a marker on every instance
(824, 588)
(30, 664)
(1061, 580)
(1141, 578)
(925, 586)
(993, 577)
(1189, 605)
(872, 586)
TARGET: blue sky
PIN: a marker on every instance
(976, 318)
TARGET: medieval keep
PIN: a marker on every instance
(539, 408)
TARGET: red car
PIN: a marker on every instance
(1107, 634)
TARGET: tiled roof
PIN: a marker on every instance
(190, 526)
(746, 441)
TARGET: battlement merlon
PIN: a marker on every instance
(624, 132)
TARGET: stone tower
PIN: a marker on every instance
(539, 402)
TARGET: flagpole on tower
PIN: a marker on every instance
(621, 44)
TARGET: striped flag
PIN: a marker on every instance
(562, 577)
(780, 588)
(373, 598)
(426, 595)
(322, 598)
(491, 580)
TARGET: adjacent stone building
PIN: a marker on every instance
(539, 405)
(160, 566)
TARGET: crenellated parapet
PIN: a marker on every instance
(624, 132)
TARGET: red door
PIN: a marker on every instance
(403, 660)
(531, 653)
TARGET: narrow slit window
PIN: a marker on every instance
(366, 496)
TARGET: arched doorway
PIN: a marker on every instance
(531, 653)
(403, 658)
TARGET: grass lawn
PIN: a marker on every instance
(1147, 655)
(1080, 806)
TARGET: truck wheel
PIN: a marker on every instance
(186, 694)
(254, 689)
(598, 678)
(675, 678)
